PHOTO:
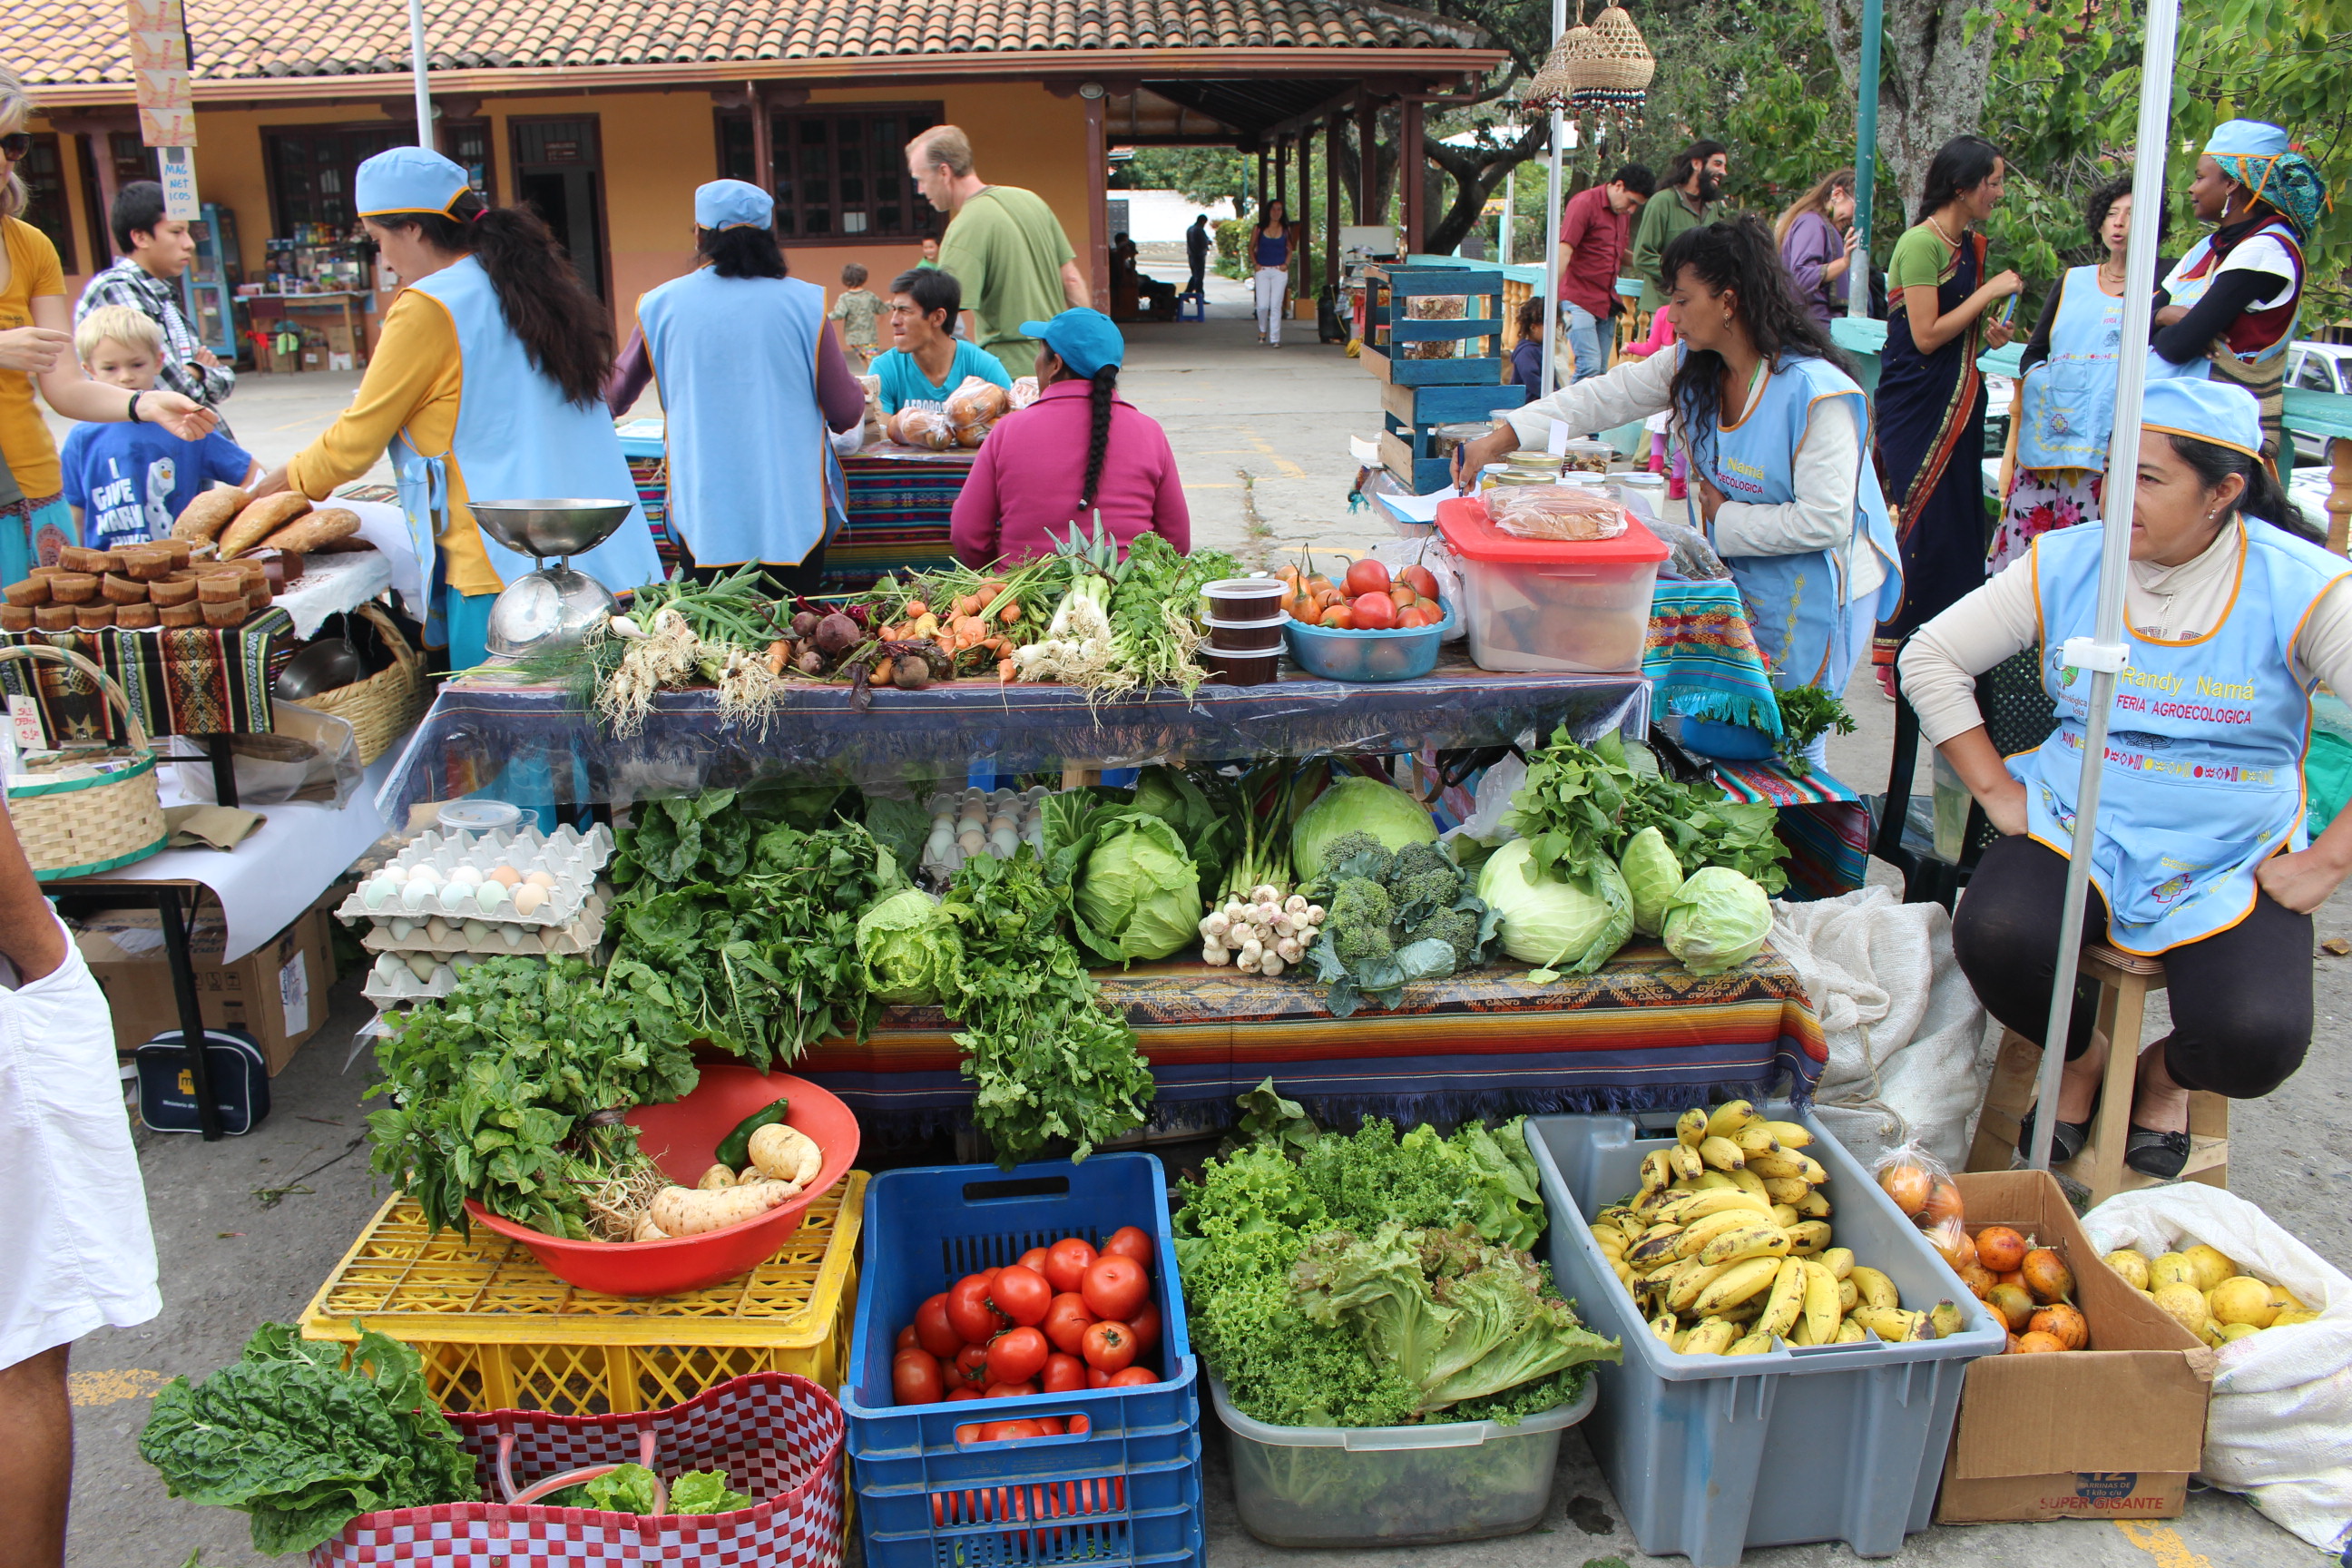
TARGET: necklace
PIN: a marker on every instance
(1934, 224)
(2107, 278)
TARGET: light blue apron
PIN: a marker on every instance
(2068, 401)
(1800, 604)
(750, 462)
(2185, 290)
(2203, 779)
(517, 440)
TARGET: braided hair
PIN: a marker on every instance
(1104, 383)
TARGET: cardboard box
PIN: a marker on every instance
(276, 993)
(2112, 1431)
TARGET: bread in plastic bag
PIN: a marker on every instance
(1555, 511)
(1024, 391)
(977, 401)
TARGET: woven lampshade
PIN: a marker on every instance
(1555, 84)
(1619, 58)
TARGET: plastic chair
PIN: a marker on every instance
(1200, 306)
(2018, 717)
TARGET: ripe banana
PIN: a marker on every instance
(1894, 1324)
(1821, 1310)
(1790, 1135)
(1656, 1245)
(1877, 1289)
(1849, 1333)
(1802, 1334)
(1691, 1126)
(1945, 1318)
(1748, 1181)
(1610, 1239)
(1624, 1275)
(1712, 1337)
(1816, 1173)
(1745, 1313)
(1770, 1163)
(1682, 1293)
(1848, 1296)
(1686, 1161)
(1719, 1200)
(1752, 1343)
(1656, 1169)
(1722, 1153)
(1699, 1232)
(1808, 1237)
(1664, 1326)
(1729, 1117)
(1839, 1261)
(1756, 1138)
(1785, 1189)
(1812, 1206)
(1763, 1238)
(1710, 1181)
(1784, 1216)
(1785, 1300)
(1736, 1284)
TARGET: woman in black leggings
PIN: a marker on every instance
(2200, 854)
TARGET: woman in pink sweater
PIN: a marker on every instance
(1078, 455)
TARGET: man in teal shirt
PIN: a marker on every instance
(924, 364)
(1003, 245)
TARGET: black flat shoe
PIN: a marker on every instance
(2067, 1139)
(2158, 1154)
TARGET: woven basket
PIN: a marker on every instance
(384, 706)
(1619, 59)
(77, 827)
(1556, 82)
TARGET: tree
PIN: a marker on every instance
(1202, 174)
(1935, 57)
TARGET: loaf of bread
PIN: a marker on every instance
(262, 518)
(315, 530)
(205, 517)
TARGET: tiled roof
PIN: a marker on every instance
(62, 43)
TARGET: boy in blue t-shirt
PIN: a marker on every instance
(926, 362)
(126, 483)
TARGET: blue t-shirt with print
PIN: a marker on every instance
(132, 480)
(903, 381)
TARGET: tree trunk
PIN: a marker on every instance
(1475, 172)
(1384, 164)
(1932, 79)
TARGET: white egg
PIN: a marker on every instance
(389, 967)
(455, 896)
(513, 935)
(379, 891)
(476, 932)
(1002, 843)
(489, 897)
(443, 978)
(415, 894)
(527, 900)
(425, 874)
(422, 965)
(467, 875)
(400, 929)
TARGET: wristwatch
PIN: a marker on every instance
(134, 409)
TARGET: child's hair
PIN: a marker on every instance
(1531, 318)
(132, 329)
(853, 276)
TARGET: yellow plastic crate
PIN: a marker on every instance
(498, 1331)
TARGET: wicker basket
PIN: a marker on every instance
(384, 706)
(1619, 60)
(77, 827)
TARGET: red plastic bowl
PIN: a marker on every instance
(681, 1137)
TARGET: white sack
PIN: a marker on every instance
(1902, 1025)
(2280, 1428)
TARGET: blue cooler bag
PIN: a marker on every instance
(167, 1090)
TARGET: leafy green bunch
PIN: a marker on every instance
(629, 1488)
(1581, 803)
(303, 1442)
(508, 1089)
(1153, 582)
(1392, 918)
(1807, 713)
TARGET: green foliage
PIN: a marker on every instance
(1581, 803)
(299, 1441)
(1203, 175)
(1806, 712)
(908, 948)
(706, 1492)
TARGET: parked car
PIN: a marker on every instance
(2318, 367)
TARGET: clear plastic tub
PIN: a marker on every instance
(1550, 606)
(1394, 1486)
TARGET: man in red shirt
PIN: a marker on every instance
(1594, 230)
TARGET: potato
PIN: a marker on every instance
(787, 1154)
(690, 1211)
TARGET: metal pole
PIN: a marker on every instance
(2105, 654)
(1865, 155)
(417, 64)
(1552, 222)
(1510, 192)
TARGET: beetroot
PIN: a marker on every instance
(837, 635)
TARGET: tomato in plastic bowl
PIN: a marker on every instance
(681, 1137)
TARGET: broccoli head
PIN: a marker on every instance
(1456, 928)
(1434, 889)
(1417, 858)
(1344, 857)
(1357, 925)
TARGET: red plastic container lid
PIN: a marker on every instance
(1469, 535)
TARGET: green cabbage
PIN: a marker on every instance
(1720, 918)
(1572, 926)
(1136, 894)
(1361, 805)
(1653, 876)
(909, 949)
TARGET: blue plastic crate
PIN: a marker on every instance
(1128, 1491)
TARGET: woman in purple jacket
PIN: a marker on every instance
(1817, 241)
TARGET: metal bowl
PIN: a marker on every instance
(545, 528)
(328, 663)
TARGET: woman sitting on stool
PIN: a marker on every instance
(2201, 854)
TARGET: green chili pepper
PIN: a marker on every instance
(735, 1149)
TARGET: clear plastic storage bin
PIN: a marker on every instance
(1552, 605)
(1394, 1486)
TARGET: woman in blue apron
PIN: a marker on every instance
(2200, 854)
(1779, 439)
(752, 380)
(2065, 407)
(2228, 308)
(488, 380)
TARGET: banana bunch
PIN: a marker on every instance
(1726, 1246)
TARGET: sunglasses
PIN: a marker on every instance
(15, 144)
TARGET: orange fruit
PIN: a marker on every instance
(2013, 1346)
(2047, 1275)
(2013, 1304)
(1959, 1249)
(2036, 1344)
(1943, 1202)
(2061, 1321)
(1978, 1279)
(2007, 1276)
(1907, 1185)
(2000, 1248)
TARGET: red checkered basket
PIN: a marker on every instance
(777, 1436)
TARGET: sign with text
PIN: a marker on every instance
(159, 69)
(178, 170)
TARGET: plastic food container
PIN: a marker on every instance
(1709, 1455)
(483, 815)
(1241, 667)
(1406, 654)
(1551, 604)
(1394, 1486)
(1244, 637)
(1645, 494)
(1243, 598)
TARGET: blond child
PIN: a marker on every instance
(856, 308)
(126, 483)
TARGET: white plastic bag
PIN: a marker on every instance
(1491, 803)
(2282, 1410)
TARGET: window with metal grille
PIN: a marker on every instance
(311, 168)
(44, 174)
(840, 175)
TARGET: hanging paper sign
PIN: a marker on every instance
(180, 199)
(159, 69)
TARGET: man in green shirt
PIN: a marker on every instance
(1003, 245)
(1694, 182)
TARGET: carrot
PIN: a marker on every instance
(777, 652)
(1003, 669)
(1011, 613)
(917, 609)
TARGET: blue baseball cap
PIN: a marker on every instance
(408, 180)
(1082, 339)
(733, 203)
(2204, 410)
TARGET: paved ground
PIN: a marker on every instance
(249, 1228)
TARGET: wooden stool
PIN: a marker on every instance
(2124, 982)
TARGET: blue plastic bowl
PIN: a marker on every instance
(1368, 656)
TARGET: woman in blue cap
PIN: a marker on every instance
(2229, 308)
(2200, 852)
(488, 380)
(1078, 456)
(752, 380)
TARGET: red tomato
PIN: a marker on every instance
(1375, 613)
(1367, 576)
(1010, 1391)
(1115, 1286)
(1402, 596)
(1339, 617)
(1007, 1431)
(1109, 1346)
(1022, 1295)
(964, 1391)
(1034, 1260)
(967, 1433)
(970, 1313)
(1017, 1355)
(1066, 1262)
(1145, 1327)
(1423, 581)
(1064, 1374)
(915, 1378)
(1417, 616)
(932, 1330)
(1079, 1426)
(972, 1366)
(1097, 1378)
(1130, 1241)
(1133, 1377)
(906, 1340)
(1067, 1321)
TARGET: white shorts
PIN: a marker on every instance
(75, 1253)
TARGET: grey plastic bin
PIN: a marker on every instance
(1394, 1486)
(1710, 1455)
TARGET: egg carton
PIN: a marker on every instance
(449, 935)
(567, 845)
(555, 896)
(943, 858)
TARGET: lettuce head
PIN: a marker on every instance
(1653, 877)
(1357, 805)
(1718, 918)
(1136, 894)
(909, 948)
(1563, 925)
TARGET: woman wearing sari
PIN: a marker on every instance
(1931, 397)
